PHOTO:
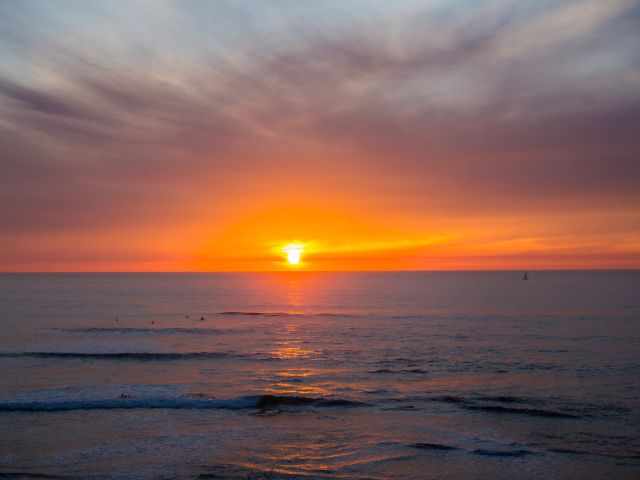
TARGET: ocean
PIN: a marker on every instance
(414, 375)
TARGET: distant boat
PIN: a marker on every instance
(526, 276)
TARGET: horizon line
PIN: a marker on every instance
(206, 272)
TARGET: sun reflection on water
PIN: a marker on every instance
(289, 351)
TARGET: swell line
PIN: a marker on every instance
(155, 331)
(140, 356)
(125, 402)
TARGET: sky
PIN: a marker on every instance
(166, 135)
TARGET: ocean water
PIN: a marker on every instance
(320, 375)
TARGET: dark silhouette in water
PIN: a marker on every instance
(526, 276)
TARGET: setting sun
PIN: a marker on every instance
(294, 253)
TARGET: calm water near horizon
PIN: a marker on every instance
(415, 375)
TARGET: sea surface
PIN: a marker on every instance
(320, 375)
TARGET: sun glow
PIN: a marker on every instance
(293, 252)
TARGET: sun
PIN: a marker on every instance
(293, 252)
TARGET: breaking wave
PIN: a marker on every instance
(128, 402)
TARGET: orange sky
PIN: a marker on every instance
(473, 138)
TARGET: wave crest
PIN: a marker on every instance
(126, 402)
(141, 356)
(155, 331)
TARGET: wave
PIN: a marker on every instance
(480, 451)
(502, 453)
(401, 408)
(447, 399)
(127, 402)
(274, 401)
(156, 331)
(570, 451)
(29, 476)
(406, 370)
(506, 404)
(139, 356)
(472, 404)
(505, 399)
(433, 446)
(532, 412)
